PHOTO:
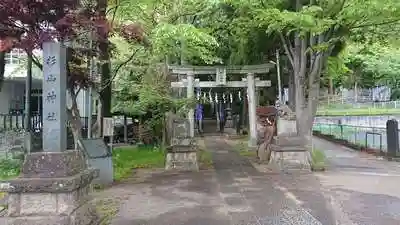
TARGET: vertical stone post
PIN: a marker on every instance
(190, 92)
(392, 135)
(252, 110)
(54, 96)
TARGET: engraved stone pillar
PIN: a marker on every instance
(190, 92)
(54, 97)
(53, 189)
(252, 110)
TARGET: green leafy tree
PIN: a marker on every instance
(165, 32)
(312, 31)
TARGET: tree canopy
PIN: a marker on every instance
(322, 42)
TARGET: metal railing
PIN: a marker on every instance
(366, 137)
(17, 121)
(360, 105)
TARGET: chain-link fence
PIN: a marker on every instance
(337, 105)
(366, 137)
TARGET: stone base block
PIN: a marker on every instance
(297, 160)
(181, 161)
(84, 215)
(53, 189)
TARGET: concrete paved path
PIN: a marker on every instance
(234, 193)
(357, 189)
(363, 187)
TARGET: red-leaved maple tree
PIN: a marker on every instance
(27, 24)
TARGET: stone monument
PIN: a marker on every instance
(54, 185)
(54, 98)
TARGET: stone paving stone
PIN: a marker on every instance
(274, 220)
(300, 216)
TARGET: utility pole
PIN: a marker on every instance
(28, 111)
(89, 104)
(278, 72)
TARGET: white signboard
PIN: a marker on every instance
(108, 126)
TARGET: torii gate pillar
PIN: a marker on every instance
(190, 91)
(252, 110)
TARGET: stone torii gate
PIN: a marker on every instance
(220, 71)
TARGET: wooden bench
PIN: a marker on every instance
(290, 144)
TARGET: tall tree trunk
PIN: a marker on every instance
(2, 67)
(105, 94)
(355, 92)
(74, 118)
(307, 68)
(292, 92)
(330, 86)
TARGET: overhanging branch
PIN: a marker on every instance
(376, 24)
(288, 49)
(118, 68)
(35, 61)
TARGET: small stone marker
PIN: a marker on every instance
(54, 97)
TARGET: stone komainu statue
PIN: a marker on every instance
(266, 128)
(286, 112)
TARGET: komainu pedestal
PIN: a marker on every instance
(53, 189)
(182, 155)
(292, 149)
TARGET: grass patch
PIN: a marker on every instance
(204, 158)
(9, 168)
(243, 150)
(127, 158)
(358, 112)
(318, 160)
(248, 153)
